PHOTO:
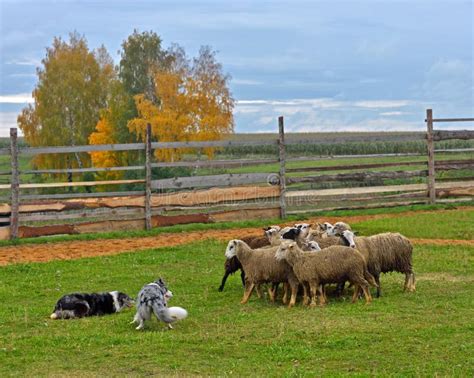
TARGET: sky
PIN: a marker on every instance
(360, 65)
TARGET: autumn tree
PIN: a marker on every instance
(195, 103)
(73, 84)
(141, 56)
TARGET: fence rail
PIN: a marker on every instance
(225, 196)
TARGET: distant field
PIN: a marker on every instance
(321, 153)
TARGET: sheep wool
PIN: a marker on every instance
(260, 266)
(331, 265)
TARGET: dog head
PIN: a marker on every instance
(167, 294)
(121, 300)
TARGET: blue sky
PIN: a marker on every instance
(324, 65)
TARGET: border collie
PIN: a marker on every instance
(153, 298)
(78, 305)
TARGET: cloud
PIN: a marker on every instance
(392, 113)
(378, 104)
(20, 98)
(7, 120)
(22, 75)
(328, 114)
(25, 62)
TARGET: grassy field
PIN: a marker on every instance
(425, 333)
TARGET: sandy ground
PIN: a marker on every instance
(79, 249)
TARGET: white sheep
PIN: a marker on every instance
(384, 253)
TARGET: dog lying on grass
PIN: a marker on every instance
(153, 298)
(78, 305)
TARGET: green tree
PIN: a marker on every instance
(140, 57)
(73, 86)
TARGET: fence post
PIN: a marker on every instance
(15, 184)
(282, 158)
(431, 161)
(148, 178)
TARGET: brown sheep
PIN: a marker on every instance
(331, 265)
(260, 267)
(384, 253)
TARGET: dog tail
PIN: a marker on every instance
(177, 313)
(168, 315)
(54, 315)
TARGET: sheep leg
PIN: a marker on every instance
(305, 293)
(224, 279)
(340, 289)
(377, 281)
(272, 291)
(285, 293)
(368, 297)
(322, 295)
(355, 296)
(409, 281)
(248, 293)
(294, 293)
(412, 282)
(313, 288)
(259, 291)
(242, 276)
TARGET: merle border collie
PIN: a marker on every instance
(78, 305)
(153, 299)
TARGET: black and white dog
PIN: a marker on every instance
(78, 305)
(153, 298)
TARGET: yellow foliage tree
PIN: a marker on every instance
(73, 84)
(105, 134)
(195, 104)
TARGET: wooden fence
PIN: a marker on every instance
(229, 196)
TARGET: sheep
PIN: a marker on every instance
(260, 266)
(330, 265)
(338, 229)
(305, 229)
(292, 233)
(233, 265)
(384, 253)
(325, 242)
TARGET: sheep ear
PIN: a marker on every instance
(310, 225)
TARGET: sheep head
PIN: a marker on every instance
(274, 227)
(339, 228)
(313, 246)
(305, 229)
(231, 249)
(285, 249)
(349, 238)
(272, 235)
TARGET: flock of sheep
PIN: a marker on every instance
(307, 258)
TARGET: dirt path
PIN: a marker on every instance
(79, 249)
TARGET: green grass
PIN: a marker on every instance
(459, 225)
(425, 333)
(227, 225)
